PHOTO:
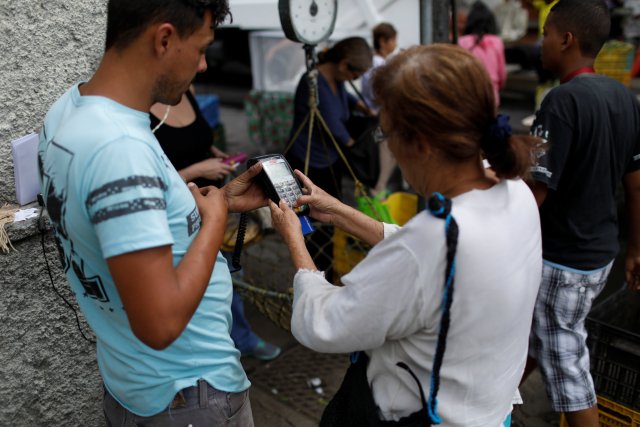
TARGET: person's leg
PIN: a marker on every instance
(245, 340)
(584, 418)
(387, 166)
(243, 337)
(559, 340)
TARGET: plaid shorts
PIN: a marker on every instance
(558, 335)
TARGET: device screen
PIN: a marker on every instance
(277, 170)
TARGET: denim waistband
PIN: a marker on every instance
(197, 394)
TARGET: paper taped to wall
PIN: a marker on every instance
(25, 168)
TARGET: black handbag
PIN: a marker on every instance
(353, 404)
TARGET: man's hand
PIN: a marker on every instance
(244, 193)
(211, 203)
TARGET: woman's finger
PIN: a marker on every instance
(306, 182)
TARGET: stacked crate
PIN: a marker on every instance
(614, 348)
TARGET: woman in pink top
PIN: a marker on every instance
(481, 40)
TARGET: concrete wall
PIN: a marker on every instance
(47, 45)
(48, 373)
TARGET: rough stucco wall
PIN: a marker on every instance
(48, 373)
(47, 45)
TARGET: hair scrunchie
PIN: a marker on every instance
(494, 140)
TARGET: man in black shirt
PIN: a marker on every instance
(591, 127)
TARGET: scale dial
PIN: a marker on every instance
(308, 21)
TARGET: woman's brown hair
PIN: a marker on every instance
(355, 50)
(443, 95)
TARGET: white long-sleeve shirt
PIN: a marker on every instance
(390, 306)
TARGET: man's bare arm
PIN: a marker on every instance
(159, 299)
(632, 260)
(539, 191)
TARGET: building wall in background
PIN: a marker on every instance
(48, 373)
(47, 45)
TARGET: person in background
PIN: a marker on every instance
(464, 274)
(385, 42)
(348, 59)
(187, 140)
(591, 126)
(480, 38)
(140, 247)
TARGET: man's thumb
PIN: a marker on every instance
(192, 187)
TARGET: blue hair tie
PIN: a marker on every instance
(439, 206)
(495, 139)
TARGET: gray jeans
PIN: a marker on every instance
(197, 406)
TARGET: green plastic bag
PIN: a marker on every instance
(374, 207)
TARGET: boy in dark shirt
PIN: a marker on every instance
(591, 125)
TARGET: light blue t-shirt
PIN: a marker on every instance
(110, 190)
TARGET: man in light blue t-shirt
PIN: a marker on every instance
(140, 248)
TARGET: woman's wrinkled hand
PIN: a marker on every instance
(286, 222)
(323, 206)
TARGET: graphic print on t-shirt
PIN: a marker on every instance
(124, 207)
(193, 221)
(56, 196)
(93, 287)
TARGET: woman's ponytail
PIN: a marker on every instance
(509, 155)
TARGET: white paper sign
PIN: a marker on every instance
(25, 168)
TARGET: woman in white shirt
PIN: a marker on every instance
(450, 295)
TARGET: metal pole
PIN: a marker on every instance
(440, 21)
(426, 21)
(454, 21)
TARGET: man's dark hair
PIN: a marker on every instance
(587, 20)
(127, 19)
(384, 31)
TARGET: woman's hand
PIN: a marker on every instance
(286, 222)
(361, 106)
(323, 206)
(243, 193)
(213, 169)
(218, 153)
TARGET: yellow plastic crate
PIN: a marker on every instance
(615, 60)
(612, 414)
(347, 252)
(402, 206)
